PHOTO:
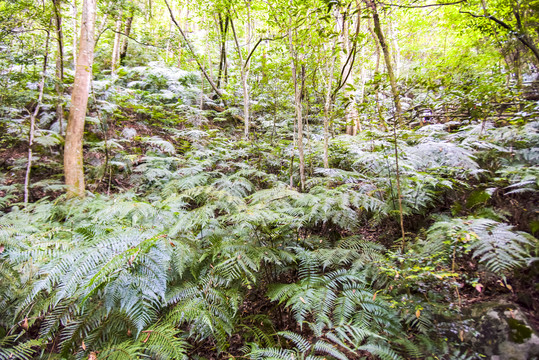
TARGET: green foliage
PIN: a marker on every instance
(495, 244)
(203, 243)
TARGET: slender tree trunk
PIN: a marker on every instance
(298, 108)
(59, 81)
(387, 58)
(357, 127)
(376, 77)
(125, 39)
(399, 192)
(395, 45)
(328, 103)
(245, 71)
(116, 46)
(73, 156)
(33, 121)
(344, 38)
(244, 74)
(74, 25)
(223, 29)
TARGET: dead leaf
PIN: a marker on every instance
(418, 313)
(147, 337)
(302, 300)
(83, 345)
(92, 356)
(24, 324)
(2, 248)
(374, 296)
(479, 287)
(461, 335)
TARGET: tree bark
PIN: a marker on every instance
(387, 58)
(59, 81)
(74, 24)
(125, 39)
(298, 108)
(347, 68)
(223, 29)
(328, 103)
(116, 46)
(244, 67)
(33, 116)
(73, 156)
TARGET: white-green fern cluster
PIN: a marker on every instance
(494, 244)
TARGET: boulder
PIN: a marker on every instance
(498, 330)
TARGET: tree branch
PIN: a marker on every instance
(420, 6)
(200, 66)
(135, 40)
(258, 43)
(522, 37)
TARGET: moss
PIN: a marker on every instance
(519, 331)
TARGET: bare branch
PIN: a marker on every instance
(420, 6)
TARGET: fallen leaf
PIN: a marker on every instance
(302, 300)
(418, 313)
(479, 287)
(374, 296)
(147, 337)
(83, 345)
(92, 356)
(461, 335)
(24, 324)
(2, 248)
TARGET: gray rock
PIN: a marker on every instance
(129, 133)
(499, 330)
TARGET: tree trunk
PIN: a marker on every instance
(387, 58)
(347, 68)
(377, 77)
(125, 39)
(116, 46)
(298, 108)
(244, 71)
(74, 24)
(328, 103)
(223, 29)
(73, 156)
(59, 81)
(33, 121)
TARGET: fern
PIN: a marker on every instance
(495, 244)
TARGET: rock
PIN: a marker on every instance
(129, 133)
(499, 330)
